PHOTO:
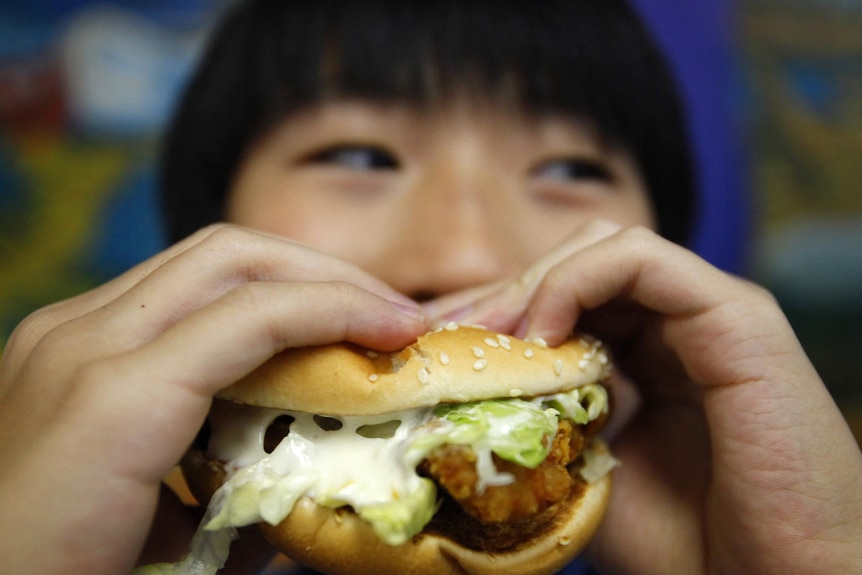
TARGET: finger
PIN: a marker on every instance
(501, 306)
(144, 301)
(631, 265)
(720, 327)
(226, 259)
(220, 261)
(457, 306)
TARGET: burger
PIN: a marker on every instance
(468, 451)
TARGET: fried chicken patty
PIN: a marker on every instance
(453, 468)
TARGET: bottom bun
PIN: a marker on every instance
(338, 542)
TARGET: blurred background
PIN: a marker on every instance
(773, 88)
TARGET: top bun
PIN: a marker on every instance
(455, 364)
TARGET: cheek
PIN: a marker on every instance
(262, 199)
(305, 218)
(541, 229)
(267, 211)
(295, 221)
(634, 209)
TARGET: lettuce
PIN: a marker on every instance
(513, 429)
(397, 521)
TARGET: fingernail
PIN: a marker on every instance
(458, 314)
(412, 311)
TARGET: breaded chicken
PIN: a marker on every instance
(453, 467)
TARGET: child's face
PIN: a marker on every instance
(433, 202)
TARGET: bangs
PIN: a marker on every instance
(542, 57)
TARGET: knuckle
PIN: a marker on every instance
(639, 237)
(33, 330)
(232, 250)
(226, 237)
(216, 228)
(764, 296)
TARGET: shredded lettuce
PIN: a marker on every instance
(395, 522)
(597, 464)
(514, 429)
(257, 499)
(581, 405)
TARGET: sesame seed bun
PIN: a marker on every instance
(450, 365)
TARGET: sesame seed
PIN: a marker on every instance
(564, 540)
(373, 377)
(478, 352)
(540, 341)
(451, 326)
(372, 354)
(491, 342)
(423, 375)
(583, 364)
(516, 392)
(504, 341)
(558, 366)
(444, 358)
(603, 358)
(480, 364)
(528, 353)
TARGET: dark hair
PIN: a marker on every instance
(591, 59)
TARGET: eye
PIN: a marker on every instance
(571, 170)
(364, 157)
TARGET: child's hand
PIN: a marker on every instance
(736, 459)
(100, 395)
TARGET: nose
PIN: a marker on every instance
(453, 234)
